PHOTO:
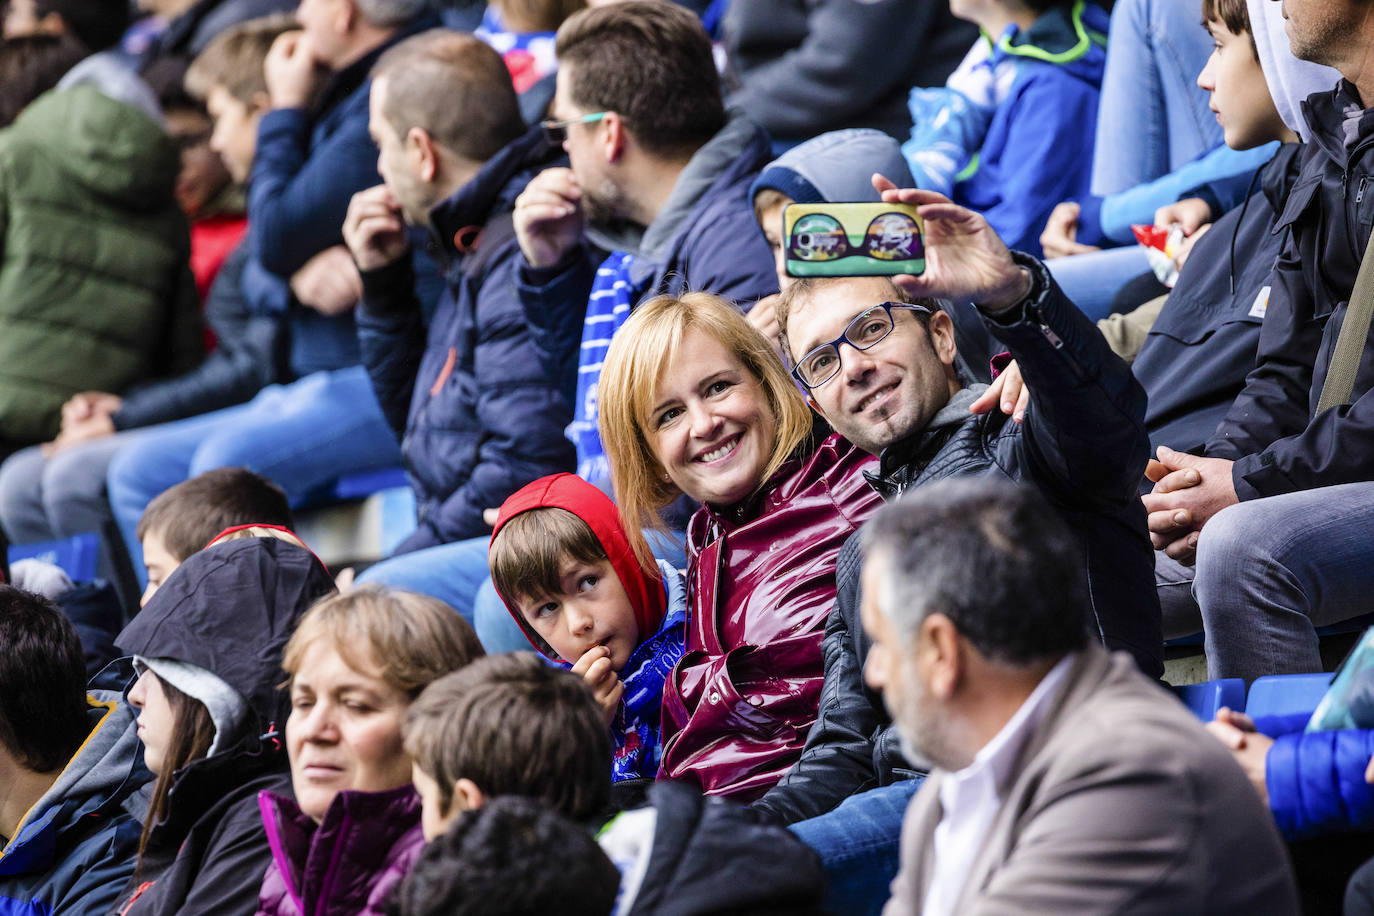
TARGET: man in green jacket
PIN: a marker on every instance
(96, 291)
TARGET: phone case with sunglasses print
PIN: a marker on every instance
(852, 240)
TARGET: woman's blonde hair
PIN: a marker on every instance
(413, 639)
(629, 387)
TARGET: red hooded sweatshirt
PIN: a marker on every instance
(570, 492)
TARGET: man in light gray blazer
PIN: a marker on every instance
(1066, 781)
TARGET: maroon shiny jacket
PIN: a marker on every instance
(761, 582)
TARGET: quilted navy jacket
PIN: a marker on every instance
(480, 412)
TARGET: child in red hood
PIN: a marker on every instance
(561, 561)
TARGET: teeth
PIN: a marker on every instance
(718, 453)
(864, 404)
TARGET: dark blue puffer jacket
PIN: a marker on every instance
(1316, 779)
(480, 410)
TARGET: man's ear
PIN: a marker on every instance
(940, 655)
(941, 331)
(467, 796)
(346, 17)
(423, 154)
(614, 139)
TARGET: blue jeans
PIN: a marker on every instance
(301, 436)
(1092, 280)
(1269, 572)
(453, 573)
(458, 575)
(859, 844)
(1152, 117)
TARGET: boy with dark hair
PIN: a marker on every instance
(97, 26)
(1011, 132)
(184, 519)
(508, 725)
(561, 561)
(68, 760)
(1199, 342)
(494, 862)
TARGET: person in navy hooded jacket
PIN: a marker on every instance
(479, 409)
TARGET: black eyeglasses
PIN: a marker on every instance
(868, 328)
(557, 131)
(889, 237)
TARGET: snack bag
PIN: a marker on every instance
(1161, 247)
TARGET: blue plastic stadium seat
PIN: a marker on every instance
(1286, 694)
(76, 555)
(1206, 698)
(365, 483)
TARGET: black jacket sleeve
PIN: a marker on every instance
(1084, 433)
(244, 361)
(391, 335)
(1274, 402)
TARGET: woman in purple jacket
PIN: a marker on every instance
(694, 400)
(355, 663)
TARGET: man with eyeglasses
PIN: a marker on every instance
(658, 175)
(877, 360)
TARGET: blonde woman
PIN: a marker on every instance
(695, 401)
(352, 830)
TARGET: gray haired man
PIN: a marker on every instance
(1065, 780)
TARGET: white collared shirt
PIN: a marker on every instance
(971, 797)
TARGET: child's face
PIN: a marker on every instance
(159, 561)
(1240, 96)
(770, 221)
(235, 136)
(592, 610)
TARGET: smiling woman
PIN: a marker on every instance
(694, 401)
(356, 662)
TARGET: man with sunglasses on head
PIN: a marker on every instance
(877, 359)
(658, 175)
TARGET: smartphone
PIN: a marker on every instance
(852, 240)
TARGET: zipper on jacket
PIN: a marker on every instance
(1045, 329)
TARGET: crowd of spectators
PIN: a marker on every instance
(845, 594)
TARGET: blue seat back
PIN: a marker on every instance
(1286, 694)
(1206, 698)
(76, 555)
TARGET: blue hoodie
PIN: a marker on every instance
(1011, 134)
(75, 849)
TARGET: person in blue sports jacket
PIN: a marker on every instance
(1011, 133)
(69, 762)
(564, 565)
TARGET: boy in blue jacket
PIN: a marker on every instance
(1011, 133)
(562, 562)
